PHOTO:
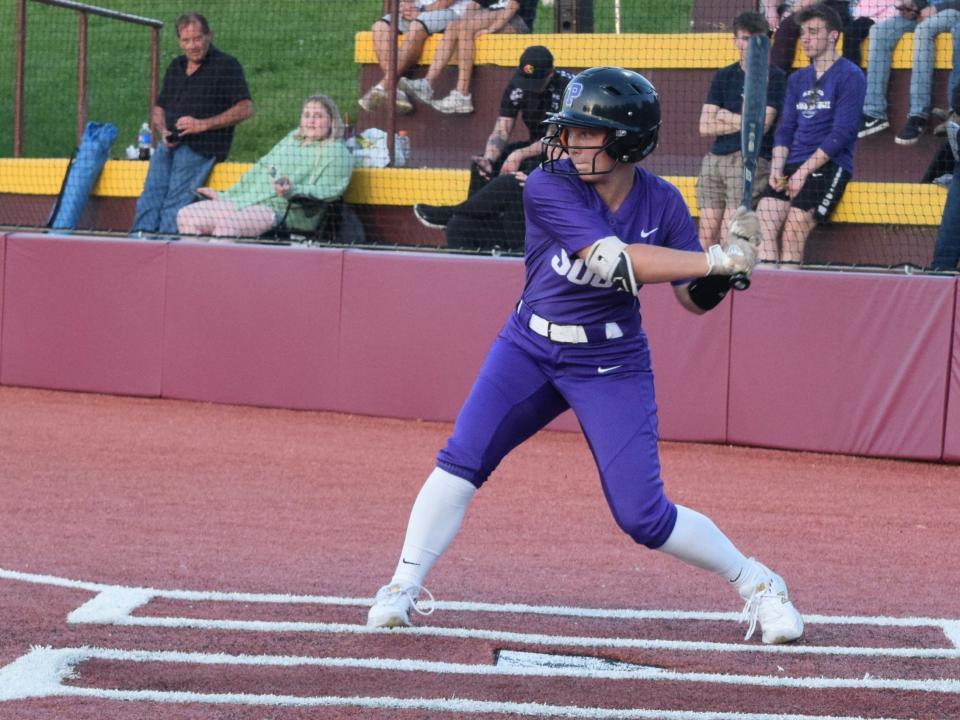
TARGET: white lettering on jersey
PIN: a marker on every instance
(811, 101)
(576, 272)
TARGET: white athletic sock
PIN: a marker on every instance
(697, 541)
(434, 522)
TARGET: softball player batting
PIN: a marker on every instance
(598, 226)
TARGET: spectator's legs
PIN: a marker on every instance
(221, 218)
(445, 48)
(252, 221)
(413, 35)
(494, 197)
(381, 44)
(147, 215)
(946, 253)
(772, 212)
(188, 171)
(477, 23)
(200, 218)
(411, 47)
(921, 78)
(491, 218)
(795, 232)
(883, 37)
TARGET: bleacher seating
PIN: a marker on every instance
(877, 211)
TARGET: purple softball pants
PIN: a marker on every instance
(527, 380)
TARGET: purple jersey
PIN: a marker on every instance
(823, 113)
(565, 215)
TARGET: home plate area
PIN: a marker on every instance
(477, 659)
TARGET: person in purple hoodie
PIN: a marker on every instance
(597, 227)
(813, 147)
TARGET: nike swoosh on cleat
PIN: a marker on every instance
(603, 370)
(648, 233)
(407, 562)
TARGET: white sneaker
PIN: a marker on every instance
(391, 606)
(404, 105)
(419, 89)
(767, 602)
(373, 98)
(454, 103)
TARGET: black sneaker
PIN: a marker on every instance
(434, 216)
(912, 130)
(870, 125)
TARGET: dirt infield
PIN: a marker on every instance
(170, 560)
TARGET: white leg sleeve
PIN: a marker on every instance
(434, 522)
(697, 541)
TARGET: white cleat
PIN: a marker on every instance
(391, 607)
(768, 603)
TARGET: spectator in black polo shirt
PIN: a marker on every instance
(204, 95)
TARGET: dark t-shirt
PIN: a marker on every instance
(535, 106)
(726, 91)
(216, 86)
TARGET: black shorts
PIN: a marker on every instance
(821, 192)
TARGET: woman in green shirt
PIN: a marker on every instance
(311, 160)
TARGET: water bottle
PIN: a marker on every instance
(402, 149)
(144, 140)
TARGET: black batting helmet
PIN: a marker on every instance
(620, 100)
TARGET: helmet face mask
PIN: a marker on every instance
(558, 143)
(620, 101)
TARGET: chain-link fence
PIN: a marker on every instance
(458, 105)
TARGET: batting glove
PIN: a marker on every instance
(739, 256)
(745, 226)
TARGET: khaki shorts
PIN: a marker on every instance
(720, 183)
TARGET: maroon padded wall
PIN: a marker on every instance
(83, 314)
(951, 435)
(416, 328)
(841, 362)
(691, 361)
(3, 248)
(252, 324)
(833, 362)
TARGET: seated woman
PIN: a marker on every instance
(311, 160)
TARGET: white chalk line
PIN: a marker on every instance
(113, 604)
(475, 670)
(507, 608)
(41, 673)
(263, 626)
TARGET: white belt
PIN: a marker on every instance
(569, 333)
(557, 333)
